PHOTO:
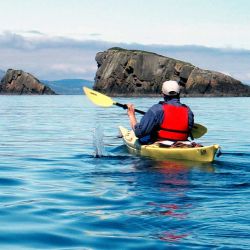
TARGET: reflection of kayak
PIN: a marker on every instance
(156, 150)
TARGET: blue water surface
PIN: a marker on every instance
(67, 182)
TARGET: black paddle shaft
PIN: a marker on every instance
(124, 106)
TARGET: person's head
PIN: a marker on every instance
(171, 89)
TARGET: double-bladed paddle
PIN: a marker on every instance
(102, 100)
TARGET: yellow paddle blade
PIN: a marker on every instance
(198, 130)
(98, 98)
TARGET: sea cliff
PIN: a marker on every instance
(140, 73)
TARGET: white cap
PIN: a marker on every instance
(170, 88)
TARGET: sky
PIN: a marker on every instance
(56, 39)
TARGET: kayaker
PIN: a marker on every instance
(167, 120)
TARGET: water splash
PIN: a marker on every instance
(99, 150)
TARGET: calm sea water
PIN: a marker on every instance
(55, 194)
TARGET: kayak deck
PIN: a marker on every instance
(201, 154)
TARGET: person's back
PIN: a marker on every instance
(168, 120)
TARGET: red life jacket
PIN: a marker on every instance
(175, 123)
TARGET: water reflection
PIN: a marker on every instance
(172, 166)
(168, 184)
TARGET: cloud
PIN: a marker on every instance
(95, 34)
(70, 69)
(57, 57)
(35, 32)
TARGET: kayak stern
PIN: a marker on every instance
(201, 154)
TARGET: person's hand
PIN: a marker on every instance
(131, 115)
(131, 110)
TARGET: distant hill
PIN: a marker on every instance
(2, 73)
(68, 86)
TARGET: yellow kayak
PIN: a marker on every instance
(157, 151)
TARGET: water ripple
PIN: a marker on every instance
(57, 194)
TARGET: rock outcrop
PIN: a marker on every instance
(139, 73)
(18, 82)
(210, 83)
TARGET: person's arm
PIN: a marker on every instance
(190, 119)
(149, 121)
(131, 115)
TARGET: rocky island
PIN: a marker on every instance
(140, 73)
(18, 82)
